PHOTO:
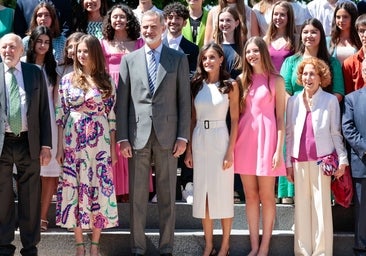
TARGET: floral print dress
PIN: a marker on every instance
(86, 194)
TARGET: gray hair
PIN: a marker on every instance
(153, 13)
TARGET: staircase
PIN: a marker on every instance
(189, 239)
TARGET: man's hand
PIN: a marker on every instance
(45, 156)
(179, 147)
(125, 148)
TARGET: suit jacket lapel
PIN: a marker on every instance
(28, 83)
(183, 45)
(165, 59)
(165, 40)
(141, 62)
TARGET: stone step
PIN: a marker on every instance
(115, 242)
(342, 218)
(189, 239)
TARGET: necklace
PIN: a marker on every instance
(119, 45)
(309, 100)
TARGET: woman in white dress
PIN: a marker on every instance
(40, 53)
(211, 148)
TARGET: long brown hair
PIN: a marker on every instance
(242, 14)
(290, 26)
(238, 35)
(351, 9)
(246, 79)
(97, 68)
(55, 25)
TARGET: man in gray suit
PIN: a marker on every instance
(153, 123)
(354, 131)
(25, 141)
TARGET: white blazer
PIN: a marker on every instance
(326, 122)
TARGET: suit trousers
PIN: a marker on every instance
(313, 211)
(166, 178)
(16, 151)
(360, 220)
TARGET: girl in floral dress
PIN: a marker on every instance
(86, 149)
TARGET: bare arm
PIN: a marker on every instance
(234, 116)
(254, 29)
(209, 27)
(60, 146)
(189, 159)
(280, 121)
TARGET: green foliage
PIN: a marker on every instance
(159, 3)
(8, 3)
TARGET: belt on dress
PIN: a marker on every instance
(210, 124)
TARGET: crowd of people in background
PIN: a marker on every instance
(103, 104)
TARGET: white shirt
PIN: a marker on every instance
(157, 53)
(174, 42)
(138, 12)
(23, 99)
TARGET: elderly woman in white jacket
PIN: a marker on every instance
(313, 131)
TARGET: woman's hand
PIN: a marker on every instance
(188, 160)
(113, 154)
(277, 160)
(341, 169)
(60, 156)
(228, 160)
(290, 174)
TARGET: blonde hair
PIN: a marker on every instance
(97, 66)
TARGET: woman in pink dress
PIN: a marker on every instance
(280, 36)
(259, 146)
(121, 35)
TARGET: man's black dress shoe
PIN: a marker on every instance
(136, 254)
(166, 254)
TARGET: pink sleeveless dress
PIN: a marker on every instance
(257, 131)
(120, 169)
(278, 56)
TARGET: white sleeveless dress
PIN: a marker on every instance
(209, 143)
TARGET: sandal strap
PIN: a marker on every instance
(95, 243)
(80, 244)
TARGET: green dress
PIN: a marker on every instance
(6, 21)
